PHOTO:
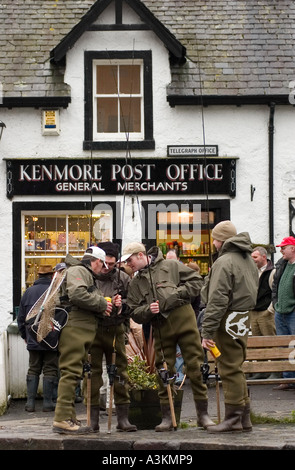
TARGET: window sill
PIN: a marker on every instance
(122, 145)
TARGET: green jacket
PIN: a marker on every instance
(232, 283)
(79, 291)
(112, 283)
(169, 281)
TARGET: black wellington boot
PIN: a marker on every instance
(32, 387)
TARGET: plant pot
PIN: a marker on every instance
(145, 411)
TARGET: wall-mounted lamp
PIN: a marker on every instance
(252, 191)
(2, 125)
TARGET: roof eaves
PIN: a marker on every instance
(58, 53)
(220, 100)
(176, 49)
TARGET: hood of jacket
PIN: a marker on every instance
(239, 243)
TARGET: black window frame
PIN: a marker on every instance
(148, 141)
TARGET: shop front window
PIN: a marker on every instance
(48, 238)
(187, 233)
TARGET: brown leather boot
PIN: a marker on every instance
(203, 419)
(94, 418)
(166, 424)
(232, 420)
(246, 419)
(122, 418)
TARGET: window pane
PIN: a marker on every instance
(130, 115)
(129, 79)
(107, 115)
(106, 79)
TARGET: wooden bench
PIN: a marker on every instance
(270, 354)
(266, 354)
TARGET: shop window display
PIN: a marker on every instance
(49, 238)
(175, 231)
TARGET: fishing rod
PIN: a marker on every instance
(112, 368)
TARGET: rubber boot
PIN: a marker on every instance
(122, 418)
(232, 421)
(203, 419)
(94, 418)
(32, 387)
(246, 419)
(48, 393)
(166, 424)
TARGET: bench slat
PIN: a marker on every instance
(268, 366)
(267, 341)
(269, 353)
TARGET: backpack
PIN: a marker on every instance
(45, 320)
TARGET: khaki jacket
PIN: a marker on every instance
(232, 283)
(169, 281)
(79, 291)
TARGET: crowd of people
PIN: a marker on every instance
(242, 293)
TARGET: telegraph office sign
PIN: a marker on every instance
(116, 176)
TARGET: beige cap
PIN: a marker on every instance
(131, 249)
(224, 230)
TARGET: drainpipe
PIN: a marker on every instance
(270, 177)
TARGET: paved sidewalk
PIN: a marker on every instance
(20, 430)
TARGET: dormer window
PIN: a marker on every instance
(118, 100)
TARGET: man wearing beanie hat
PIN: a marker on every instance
(283, 296)
(114, 284)
(224, 230)
(84, 302)
(230, 291)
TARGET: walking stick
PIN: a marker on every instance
(217, 393)
(171, 404)
(87, 369)
(112, 374)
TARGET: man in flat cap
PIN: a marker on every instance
(283, 296)
(230, 291)
(161, 293)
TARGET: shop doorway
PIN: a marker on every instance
(184, 226)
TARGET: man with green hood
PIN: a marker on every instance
(230, 292)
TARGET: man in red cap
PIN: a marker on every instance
(283, 296)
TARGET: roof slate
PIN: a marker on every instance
(233, 47)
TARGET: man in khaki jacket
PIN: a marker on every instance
(161, 293)
(80, 295)
(229, 293)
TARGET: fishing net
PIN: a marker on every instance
(42, 314)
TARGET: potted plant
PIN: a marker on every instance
(144, 409)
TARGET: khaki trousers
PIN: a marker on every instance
(180, 328)
(103, 345)
(75, 340)
(231, 339)
(263, 323)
